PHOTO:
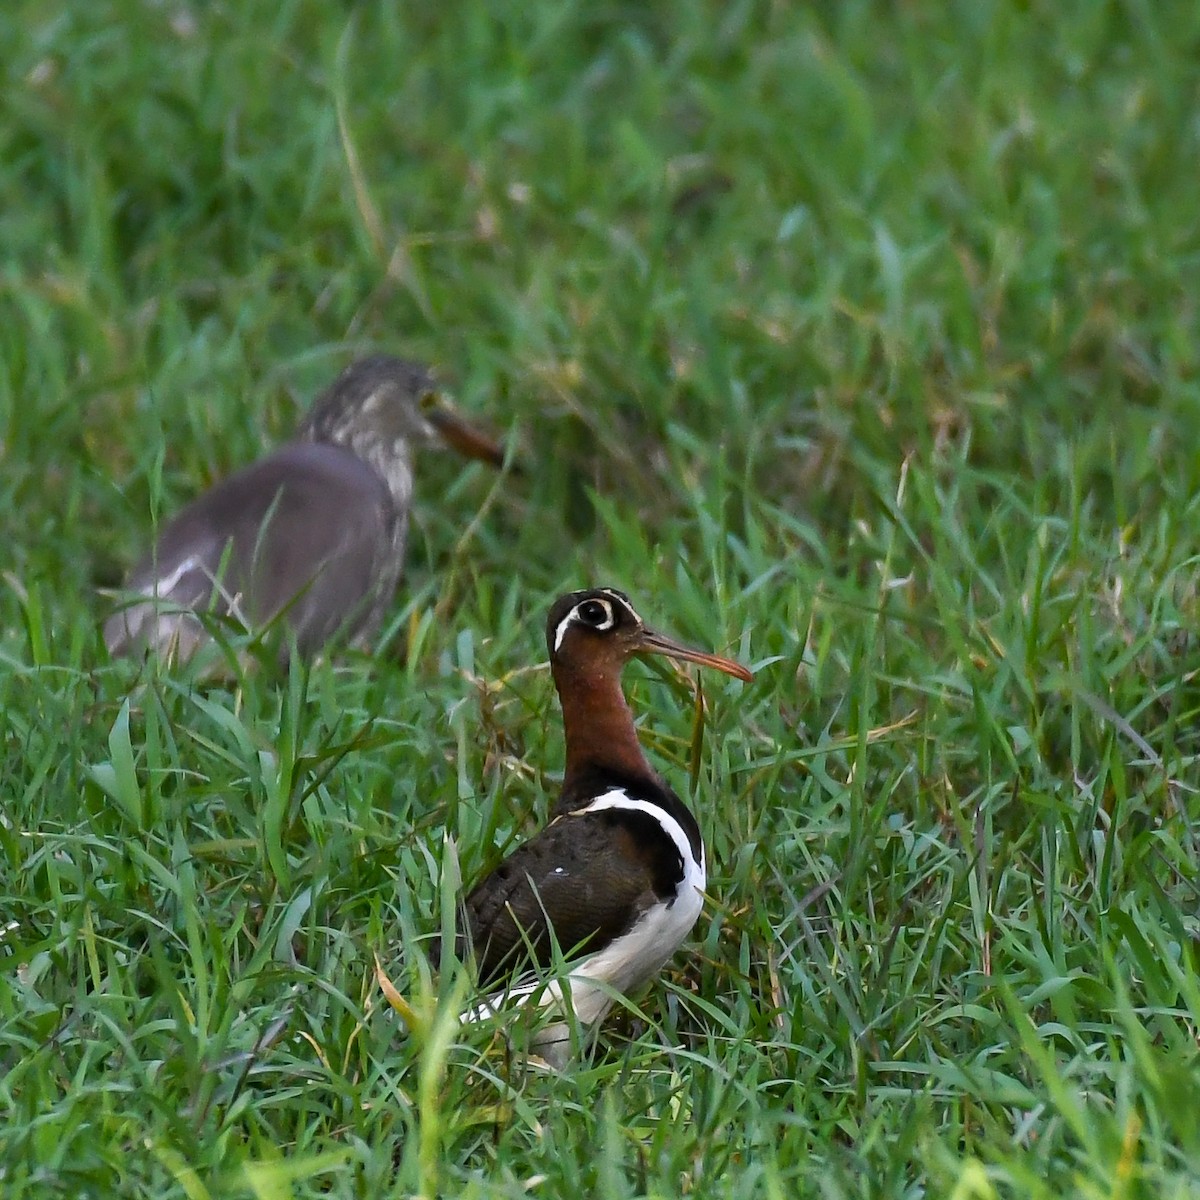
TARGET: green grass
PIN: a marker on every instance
(857, 340)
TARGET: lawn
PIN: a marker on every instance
(857, 341)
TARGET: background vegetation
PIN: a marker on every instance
(858, 340)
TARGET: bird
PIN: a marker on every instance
(307, 541)
(615, 880)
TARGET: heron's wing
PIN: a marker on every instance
(310, 532)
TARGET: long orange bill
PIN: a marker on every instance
(464, 438)
(650, 642)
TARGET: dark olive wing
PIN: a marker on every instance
(587, 876)
(310, 531)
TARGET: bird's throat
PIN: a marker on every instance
(598, 726)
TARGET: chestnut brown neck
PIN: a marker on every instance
(598, 725)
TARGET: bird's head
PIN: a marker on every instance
(385, 405)
(598, 631)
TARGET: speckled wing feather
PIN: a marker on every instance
(310, 529)
(596, 872)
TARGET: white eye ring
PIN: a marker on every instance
(576, 617)
(608, 622)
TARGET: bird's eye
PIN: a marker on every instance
(596, 613)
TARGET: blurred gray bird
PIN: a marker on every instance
(309, 539)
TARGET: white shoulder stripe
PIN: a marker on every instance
(619, 798)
